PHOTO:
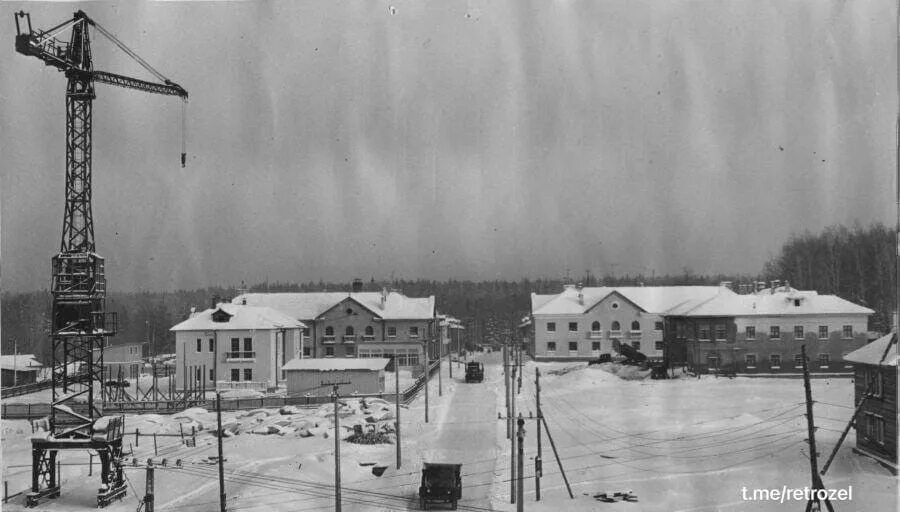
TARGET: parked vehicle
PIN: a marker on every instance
(474, 372)
(441, 483)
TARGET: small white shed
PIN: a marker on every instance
(315, 376)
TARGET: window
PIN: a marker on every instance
(248, 374)
(798, 360)
(750, 332)
(775, 360)
(573, 326)
(551, 326)
(212, 375)
(197, 375)
(720, 331)
(573, 346)
(329, 351)
(413, 331)
(307, 352)
(392, 332)
(235, 375)
(874, 383)
(750, 360)
(614, 305)
(305, 331)
(616, 326)
(348, 311)
(823, 332)
(635, 326)
(551, 347)
(199, 345)
(248, 345)
(797, 303)
(595, 346)
(636, 345)
(350, 350)
(212, 345)
(595, 327)
(824, 360)
(798, 332)
(847, 331)
(658, 345)
(775, 332)
(370, 331)
(658, 326)
(329, 331)
(875, 428)
(349, 330)
(704, 332)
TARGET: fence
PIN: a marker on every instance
(30, 411)
(24, 389)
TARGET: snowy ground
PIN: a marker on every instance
(684, 444)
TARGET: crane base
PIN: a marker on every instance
(106, 497)
(32, 499)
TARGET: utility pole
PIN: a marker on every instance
(506, 386)
(520, 504)
(437, 329)
(449, 349)
(397, 400)
(538, 460)
(512, 440)
(427, 377)
(337, 453)
(221, 459)
(148, 493)
(811, 433)
(556, 454)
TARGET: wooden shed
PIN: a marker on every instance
(20, 369)
(314, 376)
(875, 372)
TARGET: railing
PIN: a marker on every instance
(244, 384)
(615, 333)
(594, 335)
(368, 338)
(349, 338)
(634, 333)
(240, 355)
(328, 339)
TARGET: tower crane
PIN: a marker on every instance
(80, 323)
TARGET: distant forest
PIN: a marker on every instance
(854, 263)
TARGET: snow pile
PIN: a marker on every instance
(626, 372)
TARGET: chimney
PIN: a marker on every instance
(357, 285)
(214, 301)
(384, 295)
(775, 284)
(578, 287)
(243, 301)
(787, 285)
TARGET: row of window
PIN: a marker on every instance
(370, 331)
(595, 346)
(235, 345)
(402, 356)
(775, 360)
(596, 327)
(774, 332)
(235, 374)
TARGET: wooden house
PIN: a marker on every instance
(875, 372)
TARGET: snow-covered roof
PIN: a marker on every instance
(239, 318)
(331, 365)
(784, 301)
(871, 353)
(311, 305)
(652, 299)
(20, 362)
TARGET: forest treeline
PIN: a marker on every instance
(854, 263)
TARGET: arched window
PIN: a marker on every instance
(329, 331)
(370, 331)
(595, 326)
(349, 330)
(635, 326)
(616, 326)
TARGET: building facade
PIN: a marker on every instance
(354, 375)
(20, 369)
(762, 332)
(358, 324)
(582, 323)
(875, 386)
(234, 343)
(121, 360)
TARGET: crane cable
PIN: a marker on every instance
(130, 53)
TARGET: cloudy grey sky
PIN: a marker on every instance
(468, 139)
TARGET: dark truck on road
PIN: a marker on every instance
(441, 483)
(474, 372)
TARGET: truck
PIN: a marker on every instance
(474, 371)
(441, 483)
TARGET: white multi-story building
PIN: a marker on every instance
(582, 323)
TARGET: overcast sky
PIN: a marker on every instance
(465, 139)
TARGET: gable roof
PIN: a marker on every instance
(242, 318)
(768, 303)
(334, 364)
(871, 353)
(652, 299)
(21, 362)
(311, 305)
